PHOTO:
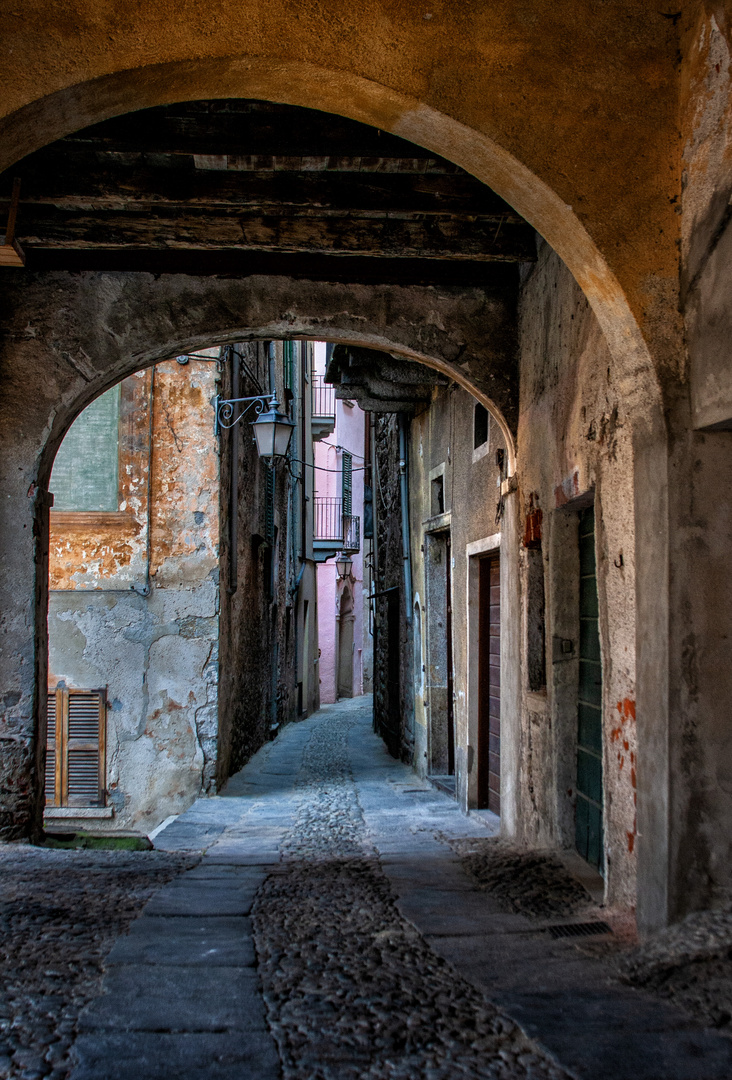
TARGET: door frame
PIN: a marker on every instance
(474, 552)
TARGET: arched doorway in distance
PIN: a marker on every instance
(345, 645)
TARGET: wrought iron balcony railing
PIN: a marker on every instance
(351, 533)
(323, 398)
(335, 527)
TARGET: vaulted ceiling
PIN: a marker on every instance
(236, 186)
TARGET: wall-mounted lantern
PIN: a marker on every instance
(272, 429)
(344, 566)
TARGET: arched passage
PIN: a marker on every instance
(474, 151)
(52, 376)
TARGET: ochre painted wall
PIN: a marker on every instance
(569, 111)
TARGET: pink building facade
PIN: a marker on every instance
(339, 429)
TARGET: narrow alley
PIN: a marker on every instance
(365, 563)
(316, 918)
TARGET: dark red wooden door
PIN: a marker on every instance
(489, 684)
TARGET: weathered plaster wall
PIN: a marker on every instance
(575, 439)
(393, 694)
(258, 632)
(700, 462)
(157, 655)
(441, 438)
(704, 208)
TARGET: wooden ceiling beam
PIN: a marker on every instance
(83, 180)
(403, 236)
(446, 273)
(243, 128)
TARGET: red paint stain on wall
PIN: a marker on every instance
(626, 708)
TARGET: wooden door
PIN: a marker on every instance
(589, 807)
(489, 684)
(448, 656)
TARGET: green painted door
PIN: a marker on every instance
(588, 822)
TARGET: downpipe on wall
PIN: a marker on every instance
(404, 495)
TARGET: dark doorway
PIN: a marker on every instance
(345, 646)
(588, 819)
(448, 646)
(489, 684)
(439, 682)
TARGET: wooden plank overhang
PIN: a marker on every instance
(236, 180)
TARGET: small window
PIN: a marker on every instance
(480, 425)
(438, 496)
(85, 473)
(75, 757)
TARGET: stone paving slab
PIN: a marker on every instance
(150, 997)
(437, 912)
(157, 1056)
(243, 876)
(192, 942)
(621, 1037)
(204, 897)
(234, 855)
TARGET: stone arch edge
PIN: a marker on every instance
(313, 86)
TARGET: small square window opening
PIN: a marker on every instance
(480, 425)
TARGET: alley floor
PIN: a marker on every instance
(328, 917)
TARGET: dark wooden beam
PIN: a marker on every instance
(236, 263)
(83, 180)
(436, 236)
(245, 128)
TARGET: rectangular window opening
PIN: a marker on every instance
(85, 474)
(438, 496)
(480, 425)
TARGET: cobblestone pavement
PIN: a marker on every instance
(325, 921)
(60, 912)
(689, 964)
(352, 990)
(528, 882)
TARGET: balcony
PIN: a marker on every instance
(334, 531)
(323, 408)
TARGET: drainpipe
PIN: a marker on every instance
(234, 481)
(404, 489)
(144, 589)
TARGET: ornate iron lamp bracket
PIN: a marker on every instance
(227, 414)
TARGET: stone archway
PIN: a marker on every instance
(67, 338)
(404, 114)
(330, 90)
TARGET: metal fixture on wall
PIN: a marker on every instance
(272, 429)
(344, 566)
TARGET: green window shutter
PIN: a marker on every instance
(347, 483)
(86, 470)
(269, 502)
(288, 354)
(589, 807)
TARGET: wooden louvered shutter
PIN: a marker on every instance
(85, 748)
(347, 483)
(54, 709)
